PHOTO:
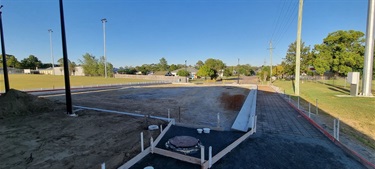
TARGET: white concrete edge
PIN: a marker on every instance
(119, 112)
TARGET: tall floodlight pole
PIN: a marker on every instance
(50, 44)
(104, 20)
(369, 50)
(298, 50)
(5, 68)
(185, 65)
(68, 95)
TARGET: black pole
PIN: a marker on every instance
(5, 68)
(68, 95)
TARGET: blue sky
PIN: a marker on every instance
(143, 31)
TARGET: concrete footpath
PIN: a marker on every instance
(284, 139)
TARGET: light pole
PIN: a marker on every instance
(104, 20)
(185, 65)
(50, 42)
(238, 72)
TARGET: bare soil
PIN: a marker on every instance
(48, 138)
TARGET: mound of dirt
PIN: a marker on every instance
(18, 103)
(232, 102)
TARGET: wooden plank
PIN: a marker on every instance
(147, 150)
(161, 135)
(222, 153)
(177, 156)
(135, 160)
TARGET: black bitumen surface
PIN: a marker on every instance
(284, 139)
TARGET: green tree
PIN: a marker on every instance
(215, 64)
(205, 71)
(72, 68)
(290, 59)
(12, 61)
(173, 67)
(31, 62)
(163, 64)
(89, 65)
(183, 72)
(342, 51)
(228, 72)
(198, 64)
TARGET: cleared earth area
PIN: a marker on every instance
(47, 138)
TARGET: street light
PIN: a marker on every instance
(50, 42)
(104, 20)
(185, 65)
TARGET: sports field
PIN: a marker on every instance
(34, 81)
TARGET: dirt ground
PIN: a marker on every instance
(48, 138)
(193, 105)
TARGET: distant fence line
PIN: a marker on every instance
(172, 79)
(12, 71)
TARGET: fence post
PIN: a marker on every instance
(317, 107)
(298, 103)
(309, 110)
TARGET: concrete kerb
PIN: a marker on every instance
(350, 152)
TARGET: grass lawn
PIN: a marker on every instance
(34, 81)
(357, 112)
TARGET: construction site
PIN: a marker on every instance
(163, 126)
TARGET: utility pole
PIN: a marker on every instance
(50, 42)
(238, 72)
(104, 20)
(271, 61)
(298, 50)
(5, 67)
(369, 50)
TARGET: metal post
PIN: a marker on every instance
(238, 72)
(68, 95)
(309, 109)
(338, 130)
(5, 67)
(50, 42)
(316, 106)
(298, 103)
(369, 50)
(298, 50)
(104, 20)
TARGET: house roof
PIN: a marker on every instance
(189, 69)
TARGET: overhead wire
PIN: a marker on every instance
(285, 18)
